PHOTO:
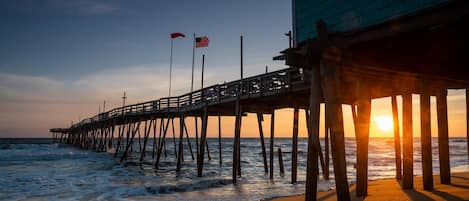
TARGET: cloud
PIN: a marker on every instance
(31, 105)
(23, 88)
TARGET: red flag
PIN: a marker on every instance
(201, 41)
(177, 34)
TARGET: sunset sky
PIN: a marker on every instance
(59, 60)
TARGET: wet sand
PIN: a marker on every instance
(390, 189)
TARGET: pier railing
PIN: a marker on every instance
(261, 85)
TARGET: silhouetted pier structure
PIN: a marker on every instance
(422, 53)
(261, 94)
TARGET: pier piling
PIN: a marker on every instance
(407, 142)
(294, 156)
(443, 142)
(397, 138)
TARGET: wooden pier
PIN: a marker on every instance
(422, 54)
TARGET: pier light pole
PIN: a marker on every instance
(123, 99)
(289, 38)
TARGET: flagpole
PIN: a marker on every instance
(193, 60)
(241, 44)
(203, 64)
(170, 67)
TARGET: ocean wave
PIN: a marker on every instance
(200, 185)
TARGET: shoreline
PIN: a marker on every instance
(390, 189)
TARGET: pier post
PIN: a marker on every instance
(161, 142)
(181, 149)
(443, 142)
(407, 142)
(330, 74)
(426, 139)
(103, 146)
(136, 128)
(272, 136)
(142, 148)
(326, 145)
(188, 140)
(362, 124)
(208, 150)
(236, 141)
(261, 136)
(154, 139)
(397, 138)
(196, 135)
(280, 162)
(119, 138)
(312, 123)
(317, 145)
(145, 140)
(203, 138)
(294, 153)
(219, 140)
(112, 135)
(174, 138)
(467, 121)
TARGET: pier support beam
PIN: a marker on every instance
(467, 121)
(407, 142)
(203, 140)
(330, 73)
(181, 147)
(426, 139)
(261, 136)
(136, 128)
(397, 138)
(145, 139)
(362, 124)
(272, 137)
(188, 141)
(326, 145)
(236, 141)
(313, 129)
(174, 139)
(161, 142)
(443, 142)
(294, 153)
(219, 141)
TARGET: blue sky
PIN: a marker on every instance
(67, 39)
(59, 59)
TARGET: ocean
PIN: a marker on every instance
(37, 169)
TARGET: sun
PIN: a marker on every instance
(385, 123)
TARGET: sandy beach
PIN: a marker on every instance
(389, 189)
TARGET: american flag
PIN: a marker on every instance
(201, 41)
